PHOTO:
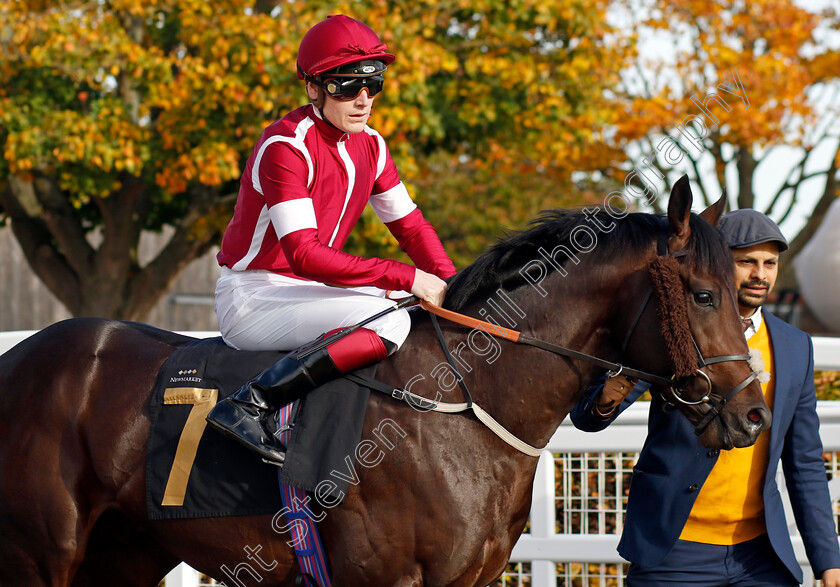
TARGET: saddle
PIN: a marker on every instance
(193, 471)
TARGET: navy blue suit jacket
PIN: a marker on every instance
(673, 465)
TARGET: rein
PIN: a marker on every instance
(519, 338)
(664, 272)
(661, 269)
(424, 404)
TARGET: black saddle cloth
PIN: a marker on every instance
(193, 471)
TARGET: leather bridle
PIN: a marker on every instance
(675, 385)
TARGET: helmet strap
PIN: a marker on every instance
(319, 102)
(325, 119)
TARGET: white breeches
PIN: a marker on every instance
(261, 310)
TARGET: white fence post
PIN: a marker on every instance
(543, 518)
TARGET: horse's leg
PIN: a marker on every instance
(67, 393)
(234, 549)
(119, 554)
(40, 545)
(42, 528)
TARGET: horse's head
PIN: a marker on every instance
(655, 293)
(696, 333)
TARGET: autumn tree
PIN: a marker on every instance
(124, 116)
(118, 117)
(493, 105)
(684, 90)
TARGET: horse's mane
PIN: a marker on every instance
(502, 263)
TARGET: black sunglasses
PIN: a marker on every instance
(349, 88)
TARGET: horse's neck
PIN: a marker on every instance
(530, 390)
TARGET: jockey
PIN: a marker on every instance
(303, 189)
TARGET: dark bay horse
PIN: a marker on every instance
(448, 503)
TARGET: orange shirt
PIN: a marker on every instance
(730, 506)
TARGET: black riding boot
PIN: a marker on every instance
(246, 416)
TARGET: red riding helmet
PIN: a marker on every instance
(336, 41)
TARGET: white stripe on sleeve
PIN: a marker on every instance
(296, 141)
(293, 215)
(256, 241)
(393, 204)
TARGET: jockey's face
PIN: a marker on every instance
(351, 116)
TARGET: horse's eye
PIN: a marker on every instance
(703, 298)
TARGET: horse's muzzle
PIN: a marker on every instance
(752, 424)
(737, 430)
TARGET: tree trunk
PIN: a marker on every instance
(746, 169)
(102, 277)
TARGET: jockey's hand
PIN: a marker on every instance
(615, 390)
(428, 287)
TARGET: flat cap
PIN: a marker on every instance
(748, 227)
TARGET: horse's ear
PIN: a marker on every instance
(679, 213)
(713, 213)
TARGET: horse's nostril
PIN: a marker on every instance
(754, 416)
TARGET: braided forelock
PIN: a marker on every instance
(673, 314)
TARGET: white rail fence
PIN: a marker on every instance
(578, 547)
(544, 547)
